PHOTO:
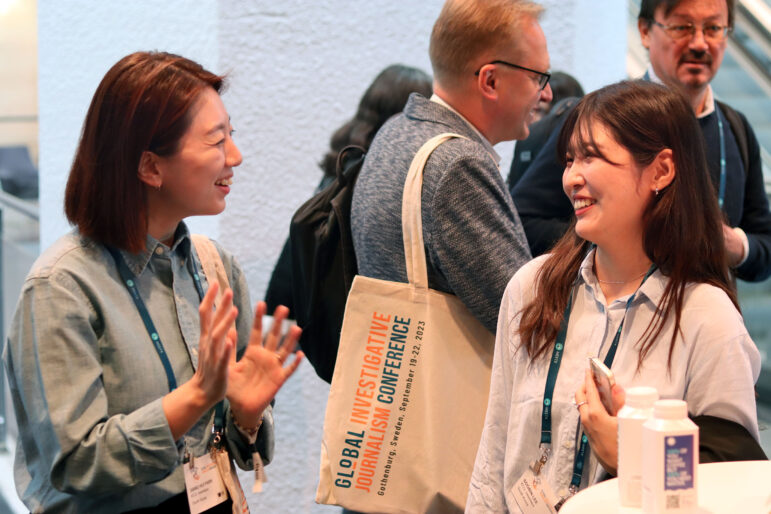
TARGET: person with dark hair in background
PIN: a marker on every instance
(566, 91)
(621, 285)
(686, 40)
(384, 98)
(120, 368)
(562, 85)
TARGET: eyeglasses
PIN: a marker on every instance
(543, 77)
(713, 32)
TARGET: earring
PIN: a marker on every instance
(656, 191)
(158, 188)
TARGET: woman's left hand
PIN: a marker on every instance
(255, 379)
(600, 426)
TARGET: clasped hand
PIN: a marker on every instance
(251, 382)
(600, 426)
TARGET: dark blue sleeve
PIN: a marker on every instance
(756, 218)
(543, 208)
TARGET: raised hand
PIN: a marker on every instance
(255, 379)
(216, 349)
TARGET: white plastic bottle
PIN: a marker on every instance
(670, 460)
(637, 409)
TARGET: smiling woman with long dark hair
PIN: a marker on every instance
(120, 368)
(642, 282)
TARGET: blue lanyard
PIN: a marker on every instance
(129, 280)
(721, 188)
(551, 380)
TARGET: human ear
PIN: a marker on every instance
(487, 81)
(149, 170)
(663, 170)
(644, 27)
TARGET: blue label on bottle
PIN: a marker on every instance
(678, 462)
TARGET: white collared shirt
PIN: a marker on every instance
(497, 158)
(714, 368)
(709, 101)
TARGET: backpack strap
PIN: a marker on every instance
(739, 130)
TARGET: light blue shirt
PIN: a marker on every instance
(87, 383)
(714, 368)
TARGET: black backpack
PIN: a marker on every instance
(324, 263)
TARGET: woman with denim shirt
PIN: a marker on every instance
(120, 368)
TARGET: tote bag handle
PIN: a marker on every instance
(412, 222)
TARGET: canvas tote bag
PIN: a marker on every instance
(409, 391)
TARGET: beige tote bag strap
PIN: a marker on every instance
(412, 223)
(211, 262)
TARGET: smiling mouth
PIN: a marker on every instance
(224, 182)
(582, 203)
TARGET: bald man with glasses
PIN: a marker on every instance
(686, 41)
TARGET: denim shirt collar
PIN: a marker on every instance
(137, 262)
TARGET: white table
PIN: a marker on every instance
(723, 487)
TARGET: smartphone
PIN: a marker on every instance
(603, 378)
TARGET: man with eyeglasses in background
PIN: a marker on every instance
(686, 40)
(490, 64)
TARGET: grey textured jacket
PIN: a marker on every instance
(474, 239)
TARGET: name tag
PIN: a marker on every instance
(533, 495)
(203, 484)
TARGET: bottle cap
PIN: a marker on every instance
(641, 397)
(670, 409)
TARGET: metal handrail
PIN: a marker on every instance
(22, 206)
(750, 41)
(31, 118)
(31, 211)
(760, 12)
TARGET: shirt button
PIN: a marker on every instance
(562, 492)
(159, 250)
(568, 444)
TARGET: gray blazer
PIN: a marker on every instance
(474, 239)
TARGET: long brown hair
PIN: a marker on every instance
(143, 103)
(683, 232)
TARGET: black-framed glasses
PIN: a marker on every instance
(681, 31)
(543, 77)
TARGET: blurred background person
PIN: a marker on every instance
(686, 42)
(563, 85)
(566, 91)
(385, 97)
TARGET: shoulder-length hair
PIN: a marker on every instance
(385, 97)
(682, 224)
(142, 104)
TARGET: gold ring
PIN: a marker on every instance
(578, 405)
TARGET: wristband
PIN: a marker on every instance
(250, 434)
